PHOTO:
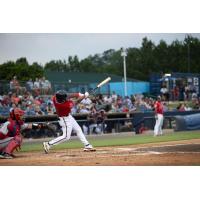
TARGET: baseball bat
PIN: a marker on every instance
(101, 84)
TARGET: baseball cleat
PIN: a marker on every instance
(46, 147)
(1, 156)
(89, 147)
(6, 156)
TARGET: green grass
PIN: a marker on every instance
(118, 140)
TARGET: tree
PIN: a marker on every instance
(21, 69)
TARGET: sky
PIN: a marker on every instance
(44, 47)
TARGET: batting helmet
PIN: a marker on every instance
(61, 96)
(16, 114)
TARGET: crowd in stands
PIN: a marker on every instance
(35, 99)
(42, 104)
(37, 87)
(179, 93)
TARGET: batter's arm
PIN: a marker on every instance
(78, 96)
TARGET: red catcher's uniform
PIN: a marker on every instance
(159, 118)
(10, 137)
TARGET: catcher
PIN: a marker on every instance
(10, 133)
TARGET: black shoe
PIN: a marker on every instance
(1, 155)
(6, 156)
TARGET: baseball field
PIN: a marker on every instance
(121, 149)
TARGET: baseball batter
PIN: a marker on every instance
(10, 133)
(63, 104)
(159, 117)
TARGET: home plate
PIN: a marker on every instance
(126, 149)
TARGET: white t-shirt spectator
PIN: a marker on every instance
(108, 99)
(36, 84)
(86, 101)
(114, 96)
(164, 90)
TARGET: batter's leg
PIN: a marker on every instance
(79, 132)
(66, 126)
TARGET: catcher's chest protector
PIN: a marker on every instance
(14, 128)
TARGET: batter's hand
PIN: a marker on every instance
(86, 94)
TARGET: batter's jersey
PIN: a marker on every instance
(63, 109)
(158, 108)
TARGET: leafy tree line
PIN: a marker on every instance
(179, 56)
(21, 69)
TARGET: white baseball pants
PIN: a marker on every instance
(68, 124)
(158, 125)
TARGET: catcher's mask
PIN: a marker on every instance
(61, 96)
(16, 114)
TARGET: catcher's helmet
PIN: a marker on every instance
(61, 96)
(16, 114)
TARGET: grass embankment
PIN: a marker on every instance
(116, 140)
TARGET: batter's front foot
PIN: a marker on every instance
(89, 147)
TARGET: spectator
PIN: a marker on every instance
(14, 85)
(15, 99)
(186, 93)
(108, 99)
(38, 111)
(196, 104)
(114, 96)
(92, 119)
(84, 109)
(29, 85)
(50, 109)
(164, 93)
(45, 86)
(181, 107)
(176, 93)
(127, 101)
(86, 101)
(101, 125)
(36, 87)
(30, 109)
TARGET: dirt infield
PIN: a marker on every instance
(175, 153)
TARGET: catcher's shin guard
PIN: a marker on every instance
(13, 144)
